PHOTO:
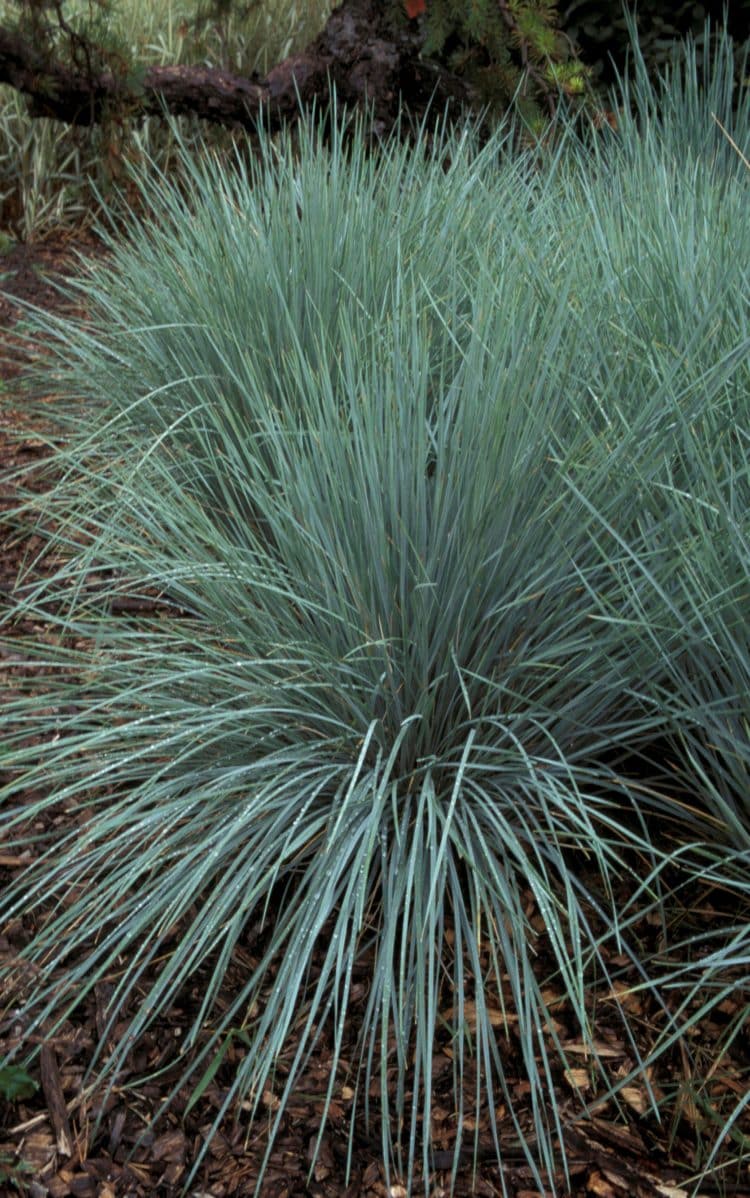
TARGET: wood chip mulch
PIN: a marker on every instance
(78, 1137)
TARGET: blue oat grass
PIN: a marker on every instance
(388, 439)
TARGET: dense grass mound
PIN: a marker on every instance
(438, 462)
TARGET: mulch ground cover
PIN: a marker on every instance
(78, 1136)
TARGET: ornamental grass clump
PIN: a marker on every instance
(346, 494)
(673, 261)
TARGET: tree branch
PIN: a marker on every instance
(366, 59)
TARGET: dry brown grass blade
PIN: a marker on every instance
(731, 140)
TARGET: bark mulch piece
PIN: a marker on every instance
(80, 1138)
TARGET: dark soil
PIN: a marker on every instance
(77, 1138)
(28, 274)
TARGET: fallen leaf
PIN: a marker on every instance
(626, 998)
(493, 1014)
(579, 1079)
(636, 1098)
(596, 1049)
(600, 1186)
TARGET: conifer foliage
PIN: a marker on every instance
(509, 49)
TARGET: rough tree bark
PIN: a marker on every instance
(359, 52)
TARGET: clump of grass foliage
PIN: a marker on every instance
(438, 460)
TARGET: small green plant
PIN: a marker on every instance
(14, 1173)
(15, 1085)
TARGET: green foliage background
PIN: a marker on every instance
(536, 47)
(512, 50)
